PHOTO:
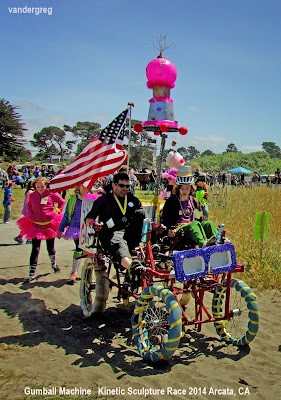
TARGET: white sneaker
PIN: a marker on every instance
(210, 242)
(56, 268)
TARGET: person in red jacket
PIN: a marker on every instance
(42, 223)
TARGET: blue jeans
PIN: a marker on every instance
(7, 212)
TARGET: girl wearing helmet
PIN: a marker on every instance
(183, 212)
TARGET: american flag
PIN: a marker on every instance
(102, 156)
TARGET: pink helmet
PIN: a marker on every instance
(171, 174)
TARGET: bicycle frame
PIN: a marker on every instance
(196, 288)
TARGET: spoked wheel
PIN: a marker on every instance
(94, 288)
(87, 288)
(243, 325)
(157, 324)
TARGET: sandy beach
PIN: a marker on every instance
(46, 343)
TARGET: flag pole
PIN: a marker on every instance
(130, 132)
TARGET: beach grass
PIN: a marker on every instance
(237, 209)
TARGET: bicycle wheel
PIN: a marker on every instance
(243, 324)
(94, 288)
(157, 324)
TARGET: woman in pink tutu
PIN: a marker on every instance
(29, 190)
(42, 223)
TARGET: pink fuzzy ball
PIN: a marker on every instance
(174, 159)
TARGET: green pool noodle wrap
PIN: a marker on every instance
(77, 253)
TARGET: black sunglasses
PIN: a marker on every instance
(121, 185)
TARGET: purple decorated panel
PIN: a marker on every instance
(196, 263)
(190, 264)
(221, 258)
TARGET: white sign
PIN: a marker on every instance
(86, 233)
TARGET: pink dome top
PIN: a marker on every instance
(161, 72)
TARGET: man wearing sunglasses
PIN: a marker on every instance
(118, 216)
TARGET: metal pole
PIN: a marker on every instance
(130, 132)
(159, 176)
(154, 156)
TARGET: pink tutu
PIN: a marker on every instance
(34, 231)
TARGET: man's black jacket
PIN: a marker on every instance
(106, 207)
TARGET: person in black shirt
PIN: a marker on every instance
(120, 220)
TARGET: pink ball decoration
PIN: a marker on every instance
(137, 128)
(164, 127)
(183, 130)
(161, 72)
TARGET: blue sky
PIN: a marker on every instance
(87, 60)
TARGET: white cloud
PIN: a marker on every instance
(251, 148)
(29, 107)
(212, 138)
(203, 142)
(99, 118)
(34, 125)
(55, 119)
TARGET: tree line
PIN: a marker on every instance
(52, 141)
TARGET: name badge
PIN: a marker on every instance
(198, 214)
(110, 223)
(44, 200)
